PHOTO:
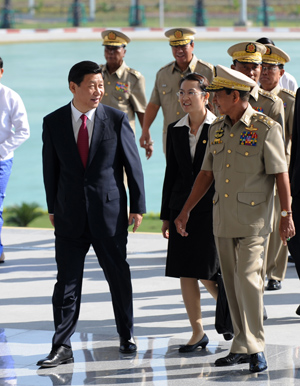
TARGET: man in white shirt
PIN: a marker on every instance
(14, 130)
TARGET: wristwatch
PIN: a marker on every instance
(285, 213)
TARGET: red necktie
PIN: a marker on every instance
(83, 141)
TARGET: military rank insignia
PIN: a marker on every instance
(249, 137)
(218, 135)
(259, 109)
(123, 87)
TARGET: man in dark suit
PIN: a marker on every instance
(87, 203)
(294, 173)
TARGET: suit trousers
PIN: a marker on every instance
(70, 257)
(294, 243)
(241, 261)
(277, 254)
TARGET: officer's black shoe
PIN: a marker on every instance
(233, 359)
(273, 285)
(258, 362)
(58, 356)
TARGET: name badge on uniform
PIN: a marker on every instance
(122, 87)
(218, 135)
(249, 137)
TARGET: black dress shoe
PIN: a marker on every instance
(58, 356)
(273, 285)
(228, 336)
(298, 311)
(258, 362)
(192, 347)
(127, 346)
(233, 359)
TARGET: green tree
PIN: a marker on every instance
(22, 215)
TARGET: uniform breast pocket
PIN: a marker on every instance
(218, 154)
(251, 208)
(247, 159)
(166, 94)
(121, 97)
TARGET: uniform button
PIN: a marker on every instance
(231, 135)
(252, 203)
(181, 75)
(227, 180)
(120, 98)
(164, 92)
(228, 165)
(215, 151)
(178, 113)
(226, 195)
(108, 82)
(214, 201)
(106, 94)
(246, 154)
(229, 151)
(204, 141)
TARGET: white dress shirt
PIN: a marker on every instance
(14, 126)
(76, 121)
(193, 139)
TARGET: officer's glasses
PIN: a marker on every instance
(269, 68)
(182, 94)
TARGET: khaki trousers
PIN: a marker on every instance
(241, 261)
(277, 254)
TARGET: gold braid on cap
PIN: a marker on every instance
(218, 83)
(273, 58)
(247, 55)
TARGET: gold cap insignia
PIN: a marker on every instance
(112, 36)
(178, 34)
(251, 48)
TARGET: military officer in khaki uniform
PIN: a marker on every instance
(244, 157)
(167, 82)
(247, 58)
(124, 86)
(272, 70)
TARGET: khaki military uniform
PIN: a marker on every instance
(167, 85)
(125, 91)
(277, 256)
(243, 161)
(267, 103)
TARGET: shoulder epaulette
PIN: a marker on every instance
(263, 118)
(167, 65)
(290, 92)
(209, 65)
(268, 94)
(218, 119)
(134, 72)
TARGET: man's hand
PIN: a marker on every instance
(147, 143)
(51, 218)
(286, 229)
(181, 222)
(165, 229)
(136, 219)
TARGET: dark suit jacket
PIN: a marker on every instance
(95, 194)
(294, 170)
(181, 172)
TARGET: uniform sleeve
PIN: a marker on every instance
(138, 95)
(274, 151)
(155, 98)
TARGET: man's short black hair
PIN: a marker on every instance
(1, 63)
(79, 70)
(265, 41)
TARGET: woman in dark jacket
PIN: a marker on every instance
(194, 257)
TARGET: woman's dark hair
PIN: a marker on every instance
(1, 63)
(194, 76)
(79, 70)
